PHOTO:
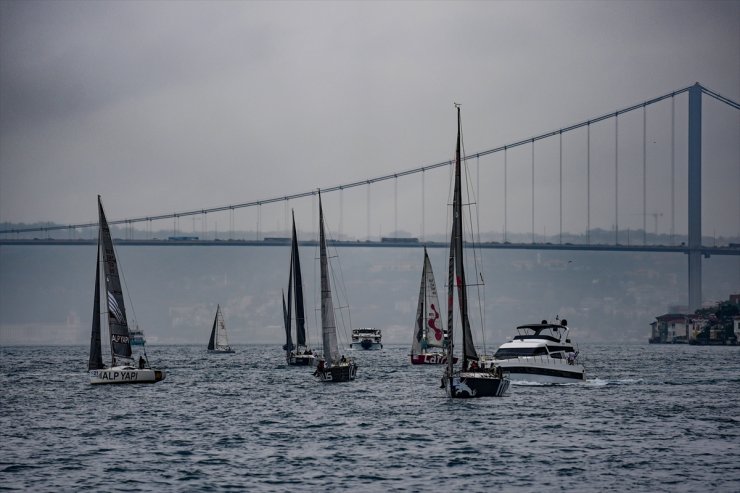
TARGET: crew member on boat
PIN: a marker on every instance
(319, 368)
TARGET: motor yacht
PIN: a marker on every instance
(541, 353)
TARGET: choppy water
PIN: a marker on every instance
(650, 418)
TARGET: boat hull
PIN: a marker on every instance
(366, 345)
(430, 359)
(221, 351)
(542, 370)
(126, 374)
(473, 384)
(338, 373)
(301, 360)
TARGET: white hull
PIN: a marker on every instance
(126, 374)
(370, 347)
(302, 360)
(542, 370)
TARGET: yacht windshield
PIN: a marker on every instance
(504, 353)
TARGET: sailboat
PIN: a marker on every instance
(428, 342)
(299, 354)
(332, 367)
(219, 341)
(122, 368)
(470, 380)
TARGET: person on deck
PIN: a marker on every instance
(319, 368)
(142, 362)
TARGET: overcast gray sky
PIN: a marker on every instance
(168, 106)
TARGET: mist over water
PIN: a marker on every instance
(648, 418)
(46, 292)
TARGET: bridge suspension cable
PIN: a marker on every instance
(175, 216)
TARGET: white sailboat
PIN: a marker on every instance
(428, 341)
(298, 354)
(219, 341)
(471, 380)
(122, 369)
(333, 367)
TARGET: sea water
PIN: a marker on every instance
(648, 418)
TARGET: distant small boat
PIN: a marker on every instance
(219, 341)
(429, 340)
(332, 367)
(296, 354)
(366, 338)
(470, 380)
(122, 369)
(137, 337)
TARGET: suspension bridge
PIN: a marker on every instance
(594, 150)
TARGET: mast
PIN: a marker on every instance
(212, 341)
(456, 269)
(96, 352)
(300, 313)
(469, 352)
(328, 325)
(120, 341)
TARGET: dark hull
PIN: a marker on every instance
(339, 373)
(474, 384)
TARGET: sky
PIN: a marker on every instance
(170, 106)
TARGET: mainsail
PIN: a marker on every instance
(96, 350)
(328, 325)
(300, 313)
(120, 341)
(219, 338)
(427, 332)
(286, 320)
(456, 269)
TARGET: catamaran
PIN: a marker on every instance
(298, 354)
(471, 380)
(332, 367)
(428, 342)
(122, 368)
(219, 341)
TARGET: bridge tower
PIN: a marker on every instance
(694, 216)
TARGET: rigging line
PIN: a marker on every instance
(476, 245)
(339, 287)
(380, 178)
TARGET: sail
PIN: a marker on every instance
(434, 333)
(96, 351)
(300, 312)
(427, 332)
(456, 267)
(328, 326)
(212, 340)
(120, 341)
(286, 320)
(469, 352)
(288, 312)
(222, 339)
(418, 342)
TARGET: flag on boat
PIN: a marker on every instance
(114, 309)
